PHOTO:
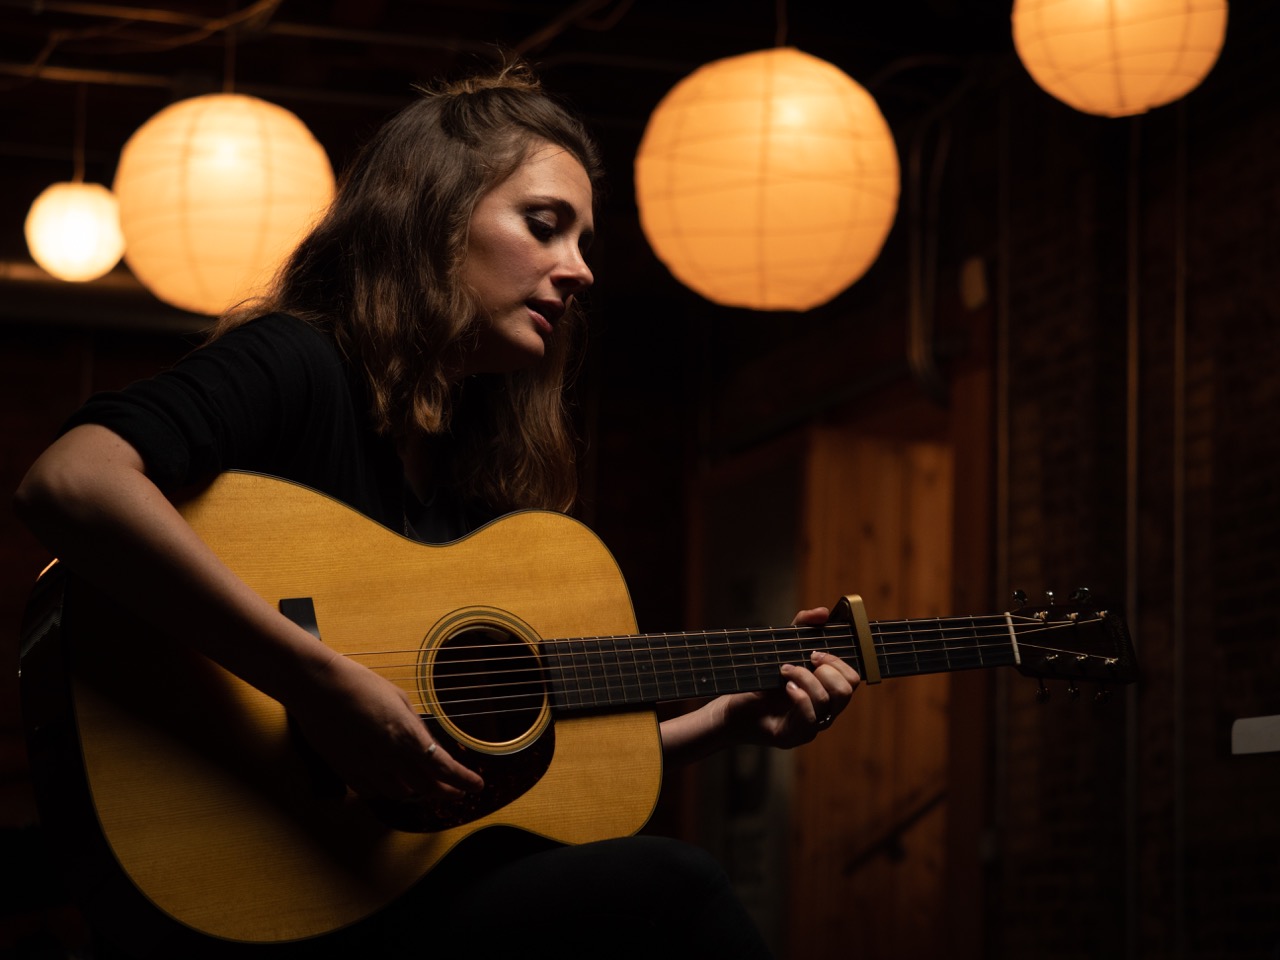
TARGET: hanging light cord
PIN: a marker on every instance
(77, 174)
(135, 43)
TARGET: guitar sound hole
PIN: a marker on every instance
(489, 684)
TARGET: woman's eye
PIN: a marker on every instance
(540, 228)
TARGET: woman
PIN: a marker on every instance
(411, 363)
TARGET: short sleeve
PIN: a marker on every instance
(264, 396)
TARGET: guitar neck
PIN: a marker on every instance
(600, 673)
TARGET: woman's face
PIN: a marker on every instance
(525, 257)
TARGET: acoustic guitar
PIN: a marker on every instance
(177, 791)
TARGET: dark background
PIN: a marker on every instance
(1130, 333)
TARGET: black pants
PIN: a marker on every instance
(505, 894)
(636, 897)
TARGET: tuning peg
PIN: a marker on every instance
(1019, 599)
(1042, 695)
(1103, 695)
(1080, 595)
(1073, 691)
(1048, 597)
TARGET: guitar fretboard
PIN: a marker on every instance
(599, 673)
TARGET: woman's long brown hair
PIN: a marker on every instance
(380, 273)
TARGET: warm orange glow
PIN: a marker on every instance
(768, 181)
(73, 231)
(1119, 57)
(214, 193)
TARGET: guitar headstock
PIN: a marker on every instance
(1075, 641)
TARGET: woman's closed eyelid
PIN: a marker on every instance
(541, 225)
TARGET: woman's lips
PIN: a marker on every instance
(545, 314)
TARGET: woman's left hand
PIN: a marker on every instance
(808, 703)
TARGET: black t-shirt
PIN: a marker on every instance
(273, 396)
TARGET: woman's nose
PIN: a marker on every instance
(574, 275)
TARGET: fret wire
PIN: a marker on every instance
(551, 661)
(759, 683)
(628, 681)
(878, 644)
(713, 673)
(592, 653)
(555, 682)
(555, 661)
(674, 689)
(673, 674)
(736, 644)
(579, 668)
(937, 655)
(698, 680)
(649, 684)
(627, 669)
(724, 670)
(708, 681)
(609, 671)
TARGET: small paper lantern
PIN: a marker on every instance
(73, 231)
(1116, 58)
(768, 180)
(214, 193)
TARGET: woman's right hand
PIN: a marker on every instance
(89, 500)
(363, 726)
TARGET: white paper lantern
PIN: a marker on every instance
(1116, 58)
(214, 193)
(73, 231)
(768, 180)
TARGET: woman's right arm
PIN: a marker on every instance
(89, 501)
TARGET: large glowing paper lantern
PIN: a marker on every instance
(1117, 58)
(73, 231)
(214, 193)
(768, 180)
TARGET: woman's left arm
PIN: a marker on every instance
(792, 715)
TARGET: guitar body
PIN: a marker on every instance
(180, 791)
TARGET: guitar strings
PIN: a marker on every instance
(915, 635)
(711, 653)
(596, 689)
(679, 662)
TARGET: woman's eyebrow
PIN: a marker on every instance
(562, 207)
